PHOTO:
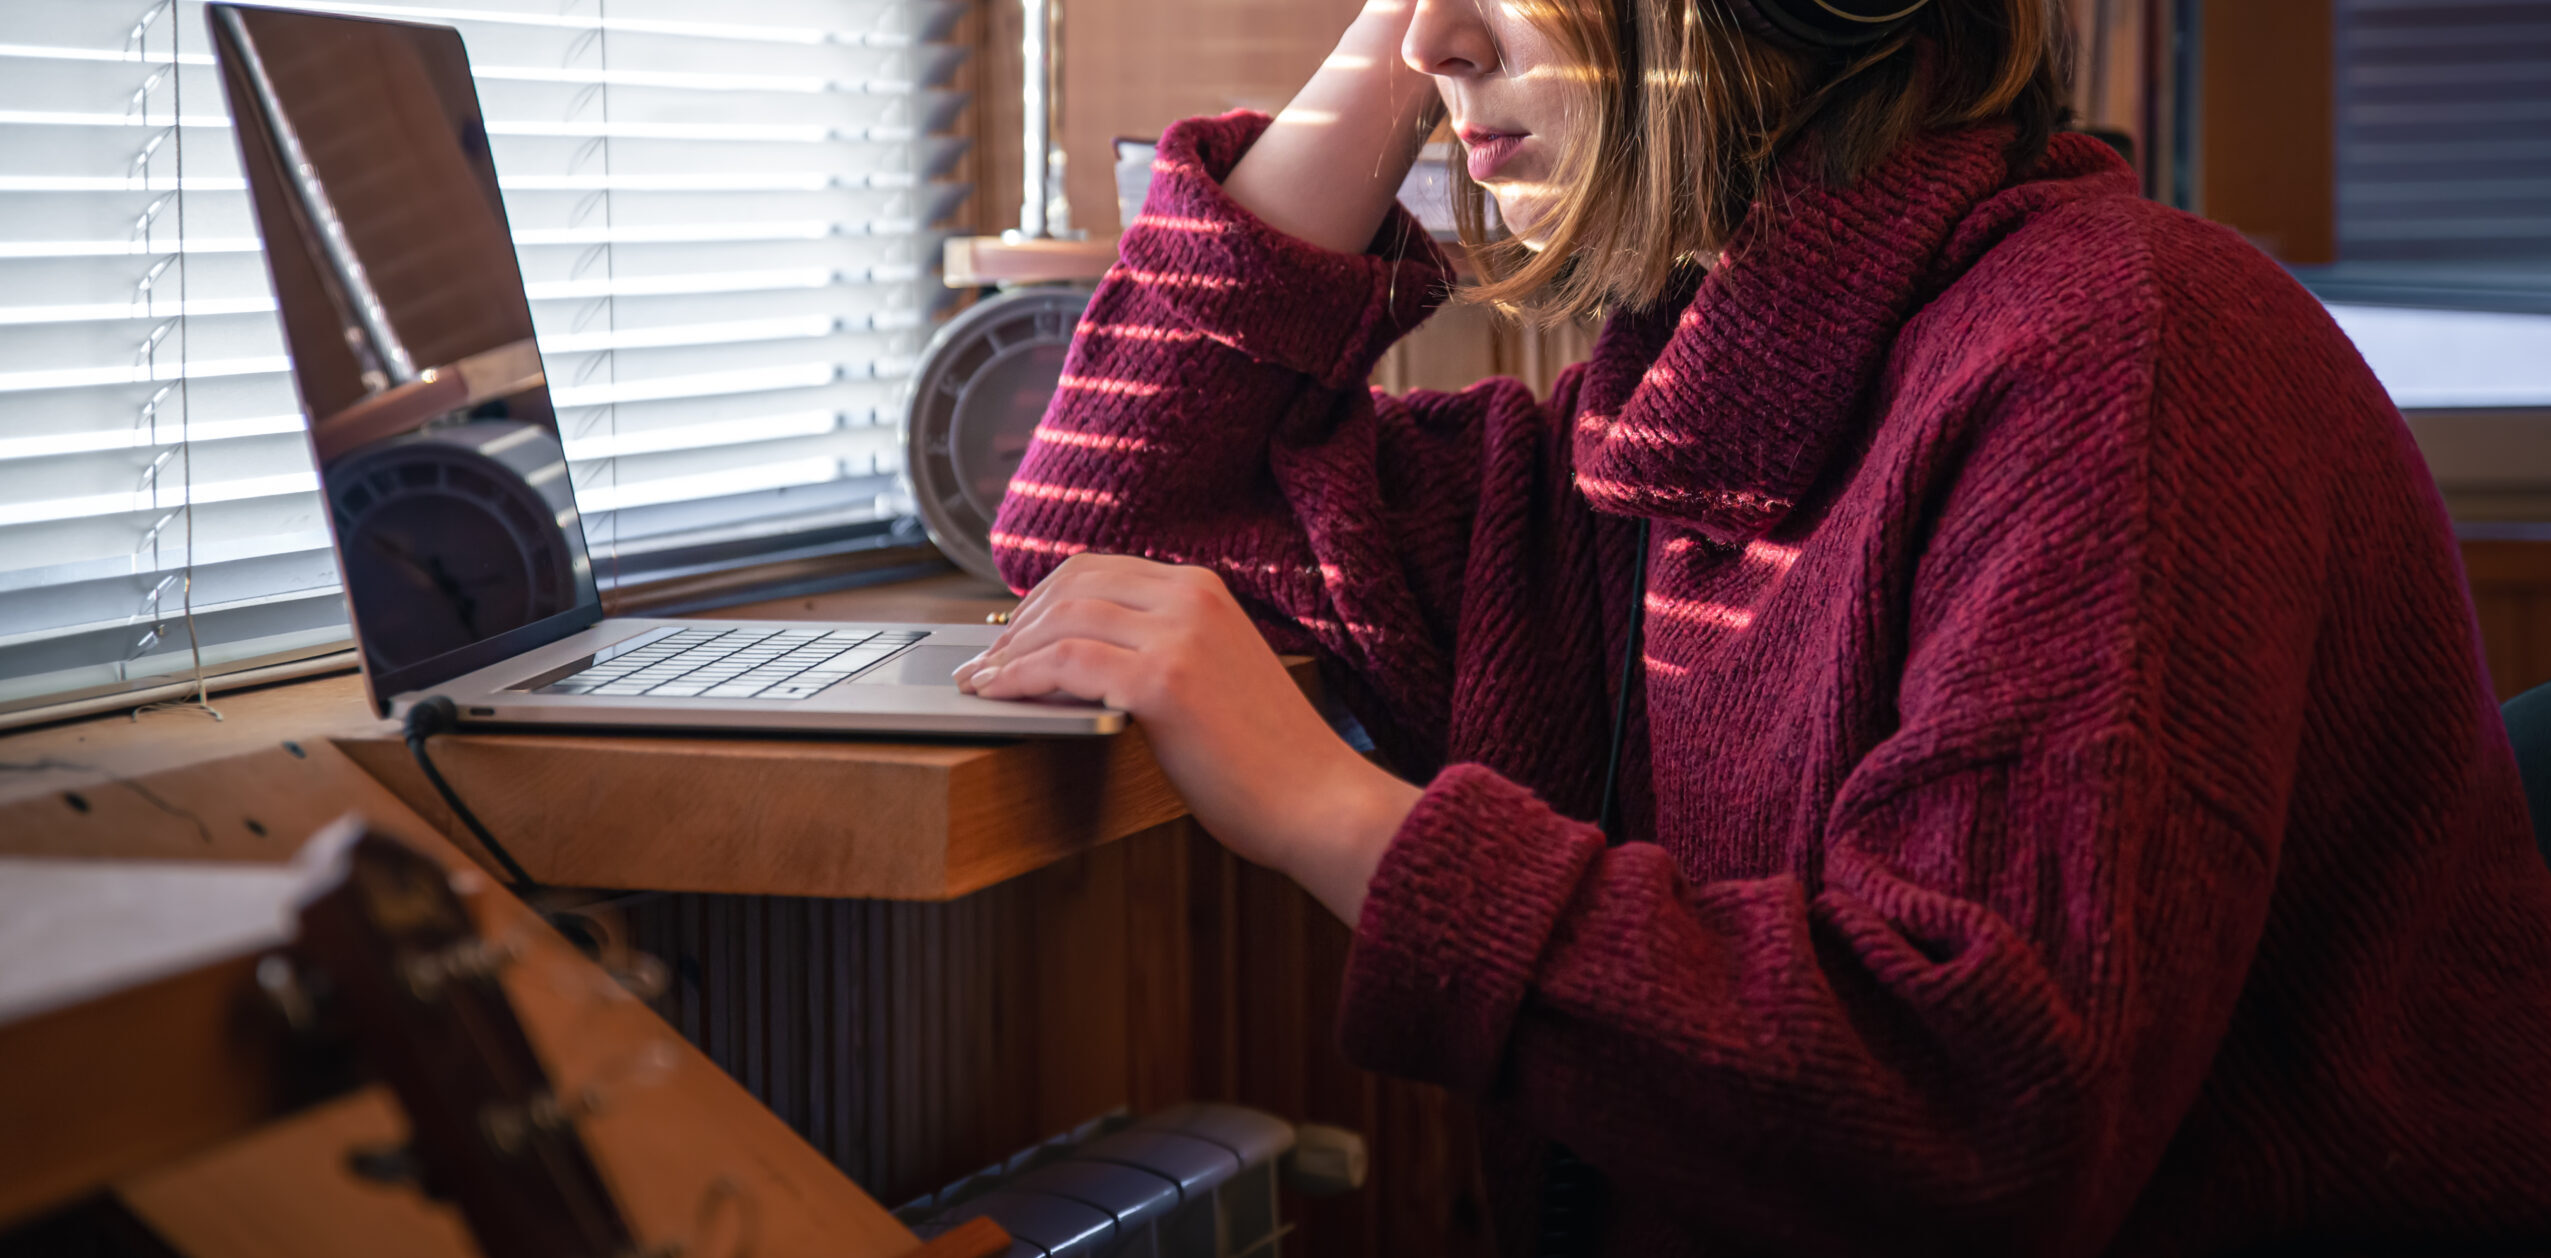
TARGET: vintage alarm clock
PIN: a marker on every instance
(976, 397)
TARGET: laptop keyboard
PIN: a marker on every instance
(737, 664)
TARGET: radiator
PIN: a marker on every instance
(1194, 1181)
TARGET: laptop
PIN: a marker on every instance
(439, 451)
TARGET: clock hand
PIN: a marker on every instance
(463, 606)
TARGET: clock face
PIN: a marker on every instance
(981, 389)
(446, 541)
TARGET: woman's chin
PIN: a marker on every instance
(1523, 221)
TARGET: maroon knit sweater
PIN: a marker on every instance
(2074, 814)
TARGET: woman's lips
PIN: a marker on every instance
(1490, 150)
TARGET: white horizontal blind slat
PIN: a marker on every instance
(727, 224)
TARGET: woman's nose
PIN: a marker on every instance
(1450, 39)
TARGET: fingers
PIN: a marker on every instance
(1098, 619)
(1082, 668)
(1071, 572)
(1140, 584)
(1090, 603)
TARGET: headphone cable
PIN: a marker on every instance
(1574, 1192)
(1609, 819)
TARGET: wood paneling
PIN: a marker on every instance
(2511, 592)
(1132, 67)
(1274, 995)
(2108, 73)
(2267, 147)
(915, 1043)
(991, 75)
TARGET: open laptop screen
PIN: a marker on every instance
(438, 450)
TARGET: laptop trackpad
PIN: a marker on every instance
(920, 666)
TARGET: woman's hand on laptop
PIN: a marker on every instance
(1255, 761)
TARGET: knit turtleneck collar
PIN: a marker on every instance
(1723, 416)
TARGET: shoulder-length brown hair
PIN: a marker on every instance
(1691, 111)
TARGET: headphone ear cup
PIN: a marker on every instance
(1825, 23)
(1750, 15)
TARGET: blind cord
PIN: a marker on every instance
(433, 715)
(203, 697)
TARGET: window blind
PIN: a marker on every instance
(728, 221)
(2444, 130)
(2443, 156)
(2444, 199)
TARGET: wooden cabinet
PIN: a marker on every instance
(915, 1043)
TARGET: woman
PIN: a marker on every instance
(2066, 809)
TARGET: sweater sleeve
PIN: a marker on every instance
(1970, 1020)
(1214, 410)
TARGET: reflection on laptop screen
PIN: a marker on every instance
(411, 340)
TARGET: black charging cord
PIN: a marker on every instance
(433, 715)
(580, 924)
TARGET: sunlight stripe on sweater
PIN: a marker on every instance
(1091, 440)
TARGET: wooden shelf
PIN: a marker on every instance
(976, 261)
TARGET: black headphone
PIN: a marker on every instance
(1827, 23)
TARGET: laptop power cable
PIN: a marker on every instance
(584, 924)
(436, 714)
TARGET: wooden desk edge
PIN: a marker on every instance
(783, 816)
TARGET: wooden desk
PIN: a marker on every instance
(843, 817)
